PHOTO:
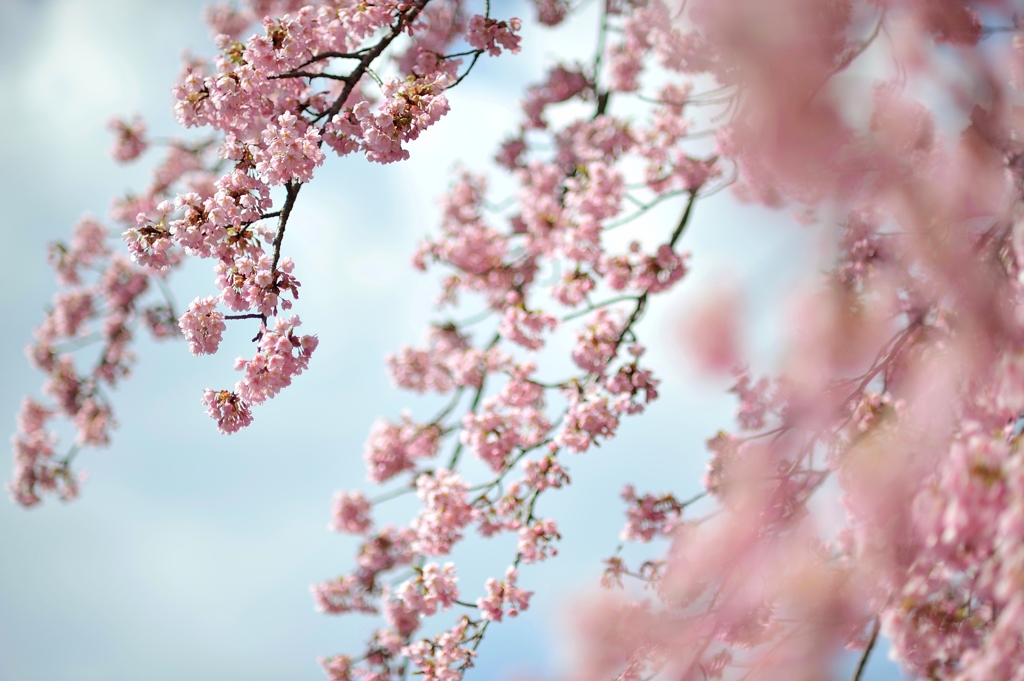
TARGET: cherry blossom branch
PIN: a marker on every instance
(368, 58)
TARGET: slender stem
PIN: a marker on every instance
(646, 207)
(597, 306)
(456, 55)
(289, 203)
(684, 221)
(168, 296)
(473, 407)
(79, 343)
(332, 55)
(308, 74)
(393, 494)
(862, 665)
(65, 463)
(443, 414)
(987, 31)
(599, 55)
(476, 57)
(849, 58)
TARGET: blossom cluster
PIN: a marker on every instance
(276, 103)
(517, 423)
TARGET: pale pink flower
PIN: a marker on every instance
(231, 411)
(226, 19)
(597, 342)
(393, 447)
(561, 85)
(544, 474)
(345, 594)
(409, 108)
(551, 12)
(337, 668)
(88, 245)
(445, 657)
(493, 435)
(536, 541)
(388, 548)
(524, 327)
(649, 516)
(446, 511)
(282, 355)
(492, 35)
(503, 598)
(434, 588)
(249, 283)
(130, 141)
(203, 326)
(350, 513)
(290, 151)
(590, 416)
(93, 421)
(628, 385)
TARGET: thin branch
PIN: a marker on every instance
(289, 203)
(308, 74)
(683, 221)
(456, 55)
(601, 38)
(333, 55)
(988, 31)
(454, 402)
(393, 494)
(477, 397)
(364, 63)
(65, 463)
(475, 319)
(597, 306)
(168, 295)
(862, 665)
(76, 344)
(850, 56)
(646, 207)
(476, 57)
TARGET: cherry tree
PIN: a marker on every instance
(889, 127)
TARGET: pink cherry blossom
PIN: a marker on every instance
(394, 447)
(288, 153)
(597, 342)
(536, 541)
(229, 409)
(503, 598)
(523, 327)
(446, 511)
(282, 355)
(130, 141)
(492, 35)
(350, 513)
(203, 326)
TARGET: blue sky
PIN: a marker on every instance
(190, 553)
